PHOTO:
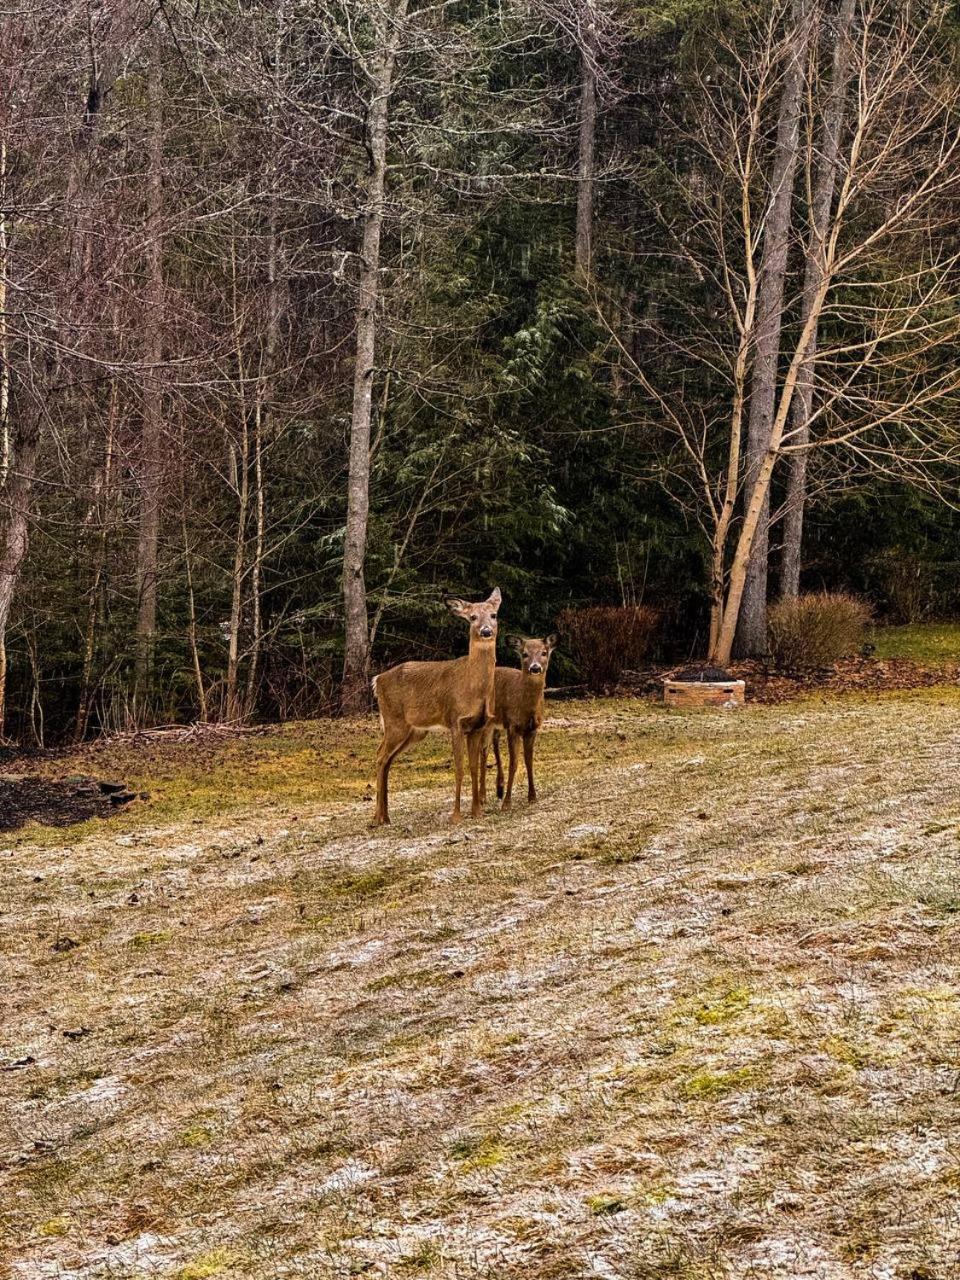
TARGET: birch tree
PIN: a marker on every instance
(822, 163)
(776, 232)
(886, 290)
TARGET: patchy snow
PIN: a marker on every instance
(145, 1254)
(585, 830)
(105, 1090)
(361, 954)
(352, 1174)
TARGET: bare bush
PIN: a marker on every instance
(816, 630)
(606, 640)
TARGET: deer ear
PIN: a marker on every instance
(495, 596)
(515, 643)
(459, 607)
(552, 641)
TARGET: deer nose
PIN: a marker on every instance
(535, 668)
(486, 632)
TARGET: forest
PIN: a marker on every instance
(580, 379)
(311, 313)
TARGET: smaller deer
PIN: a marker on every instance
(519, 709)
(457, 695)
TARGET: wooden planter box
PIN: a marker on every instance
(704, 693)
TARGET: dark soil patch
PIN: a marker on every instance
(55, 804)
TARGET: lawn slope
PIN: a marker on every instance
(695, 1015)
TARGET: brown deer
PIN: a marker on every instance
(518, 697)
(457, 695)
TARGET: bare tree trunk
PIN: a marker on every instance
(152, 422)
(191, 596)
(13, 548)
(588, 139)
(752, 619)
(265, 389)
(822, 199)
(256, 614)
(759, 497)
(356, 664)
(101, 508)
(4, 335)
(4, 390)
(238, 574)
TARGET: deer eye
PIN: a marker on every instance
(473, 617)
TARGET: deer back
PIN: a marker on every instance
(428, 695)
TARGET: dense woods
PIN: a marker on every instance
(311, 312)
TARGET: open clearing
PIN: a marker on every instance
(696, 1014)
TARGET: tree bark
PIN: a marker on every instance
(16, 500)
(152, 419)
(232, 708)
(4, 344)
(752, 616)
(825, 180)
(587, 155)
(263, 416)
(100, 510)
(191, 595)
(356, 665)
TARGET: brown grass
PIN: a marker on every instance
(695, 1015)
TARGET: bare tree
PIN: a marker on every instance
(777, 230)
(151, 435)
(387, 25)
(586, 168)
(887, 368)
(822, 173)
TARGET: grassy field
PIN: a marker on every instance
(695, 1015)
(923, 642)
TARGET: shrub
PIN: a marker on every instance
(606, 640)
(816, 630)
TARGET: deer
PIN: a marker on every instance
(519, 709)
(457, 695)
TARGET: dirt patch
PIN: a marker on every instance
(57, 804)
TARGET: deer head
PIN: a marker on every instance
(534, 654)
(482, 616)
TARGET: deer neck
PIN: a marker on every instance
(483, 653)
(533, 688)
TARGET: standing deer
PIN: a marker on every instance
(519, 703)
(457, 695)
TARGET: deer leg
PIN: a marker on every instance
(391, 743)
(511, 768)
(484, 748)
(395, 739)
(496, 753)
(528, 740)
(474, 747)
(456, 735)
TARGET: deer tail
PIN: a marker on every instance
(373, 686)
